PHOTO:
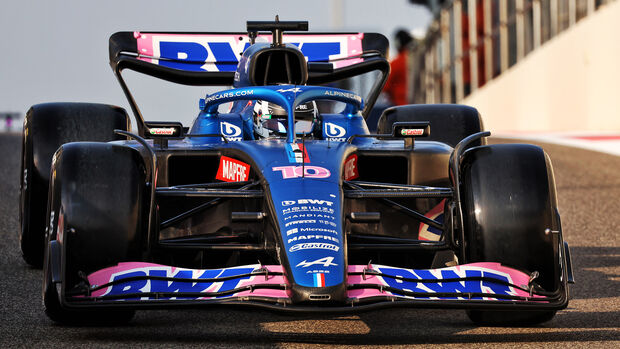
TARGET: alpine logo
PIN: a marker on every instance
(302, 171)
(230, 131)
(335, 132)
(325, 261)
(292, 89)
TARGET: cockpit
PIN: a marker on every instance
(271, 120)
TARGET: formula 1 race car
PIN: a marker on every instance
(279, 197)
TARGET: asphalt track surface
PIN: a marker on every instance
(589, 190)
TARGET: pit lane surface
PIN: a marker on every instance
(588, 188)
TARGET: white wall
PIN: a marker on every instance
(571, 83)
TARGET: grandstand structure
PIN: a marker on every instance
(511, 57)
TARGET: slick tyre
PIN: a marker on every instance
(450, 123)
(96, 219)
(509, 200)
(46, 127)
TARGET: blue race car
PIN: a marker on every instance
(279, 196)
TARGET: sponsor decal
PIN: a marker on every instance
(314, 246)
(343, 94)
(232, 170)
(318, 230)
(230, 131)
(325, 262)
(292, 231)
(319, 280)
(221, 52)
(292, 89)
(335, 132)
(307, 201)
(307, 171)
(412, 132)
(163, 131)
(400, 275)
(309, 215)
(306, 221)
(176, 286)
(328, 223)
(229, 94)
(312, 237)
(350, 168)
(298, 209)
(297, 153)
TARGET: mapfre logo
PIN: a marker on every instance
(232, 170)
(350, 168)
(230, 131)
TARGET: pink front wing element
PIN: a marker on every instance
(401, 280)
(511, 275)
(107, 275)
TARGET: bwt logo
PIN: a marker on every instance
(307, 201)
(334, 131)
(158, 284)
(230, 131)
(302, 171)
(211, 54)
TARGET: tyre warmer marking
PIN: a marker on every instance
(363, 282)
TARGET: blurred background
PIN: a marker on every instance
(527, 65)
(57, 50)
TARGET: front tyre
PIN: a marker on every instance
(509, 202)
(95, 220)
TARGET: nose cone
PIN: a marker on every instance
(303, 184)
(310, 221)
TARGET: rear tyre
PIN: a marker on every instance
(46, 127)
(96, 221)
(508, 197)
(450, 123)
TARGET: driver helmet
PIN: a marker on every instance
(270, 119)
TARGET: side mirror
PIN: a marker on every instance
(411, 129)
(162, 131)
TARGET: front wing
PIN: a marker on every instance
(476, 285)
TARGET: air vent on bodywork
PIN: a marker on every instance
(319, 297)
(279, 65)
(383, 169)
(192, 169)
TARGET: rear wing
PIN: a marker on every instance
(212, 58)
